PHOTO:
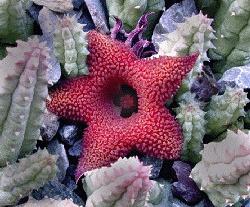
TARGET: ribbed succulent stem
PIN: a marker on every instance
(224, 171)
(232, 25)
(23, 90)
(19, 179)
(70, 44)
(14, 22)
(191, 118)
(125, 183)
(224, 110)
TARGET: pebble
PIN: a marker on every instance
(56, 190)
(48, 20)
(167, 23)
(77, 3)
(76, 149)
(155, 163)
(68, 134)
(49, 127)
(185, 188)
(69, 180)
(58, 149)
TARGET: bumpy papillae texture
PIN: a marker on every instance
(124, 184)
(195, 34)
(23, 93)
(14, 22)
(19, 179)
(224, 171)
(49, 202)
(153, 130)
(191, 118)
(56, 5)
(233, 34)
(224, 110)
(129, 11)
(70, 45)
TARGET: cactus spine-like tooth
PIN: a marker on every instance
(26, 98)
(17, 133)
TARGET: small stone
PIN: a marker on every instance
(70, 183)
(247, 203)
(185, 188)
(71, 171)
(48, 20)
(69, 180)
(205, 85)
(85, 18)
(50, 126)
(178, 203)
(34, 10)
(68, 134)
(56, 190)
(58, 149)
(97, 12)
(76, 149)
(238, 75)
(175, 14)
(155, 163)
(77, 3)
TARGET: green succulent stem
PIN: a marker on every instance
(19, 179)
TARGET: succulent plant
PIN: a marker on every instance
(14, 22)
(224, 171)
(232, 32)
(191, 118)
(126, 183)
(193, 35)
(134, 39)
(56, 5)
(224, 110)
(129, 11)
(19, 179)
(23, 92)
(49, 202)
(70, 45)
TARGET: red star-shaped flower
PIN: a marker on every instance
(152, 130)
